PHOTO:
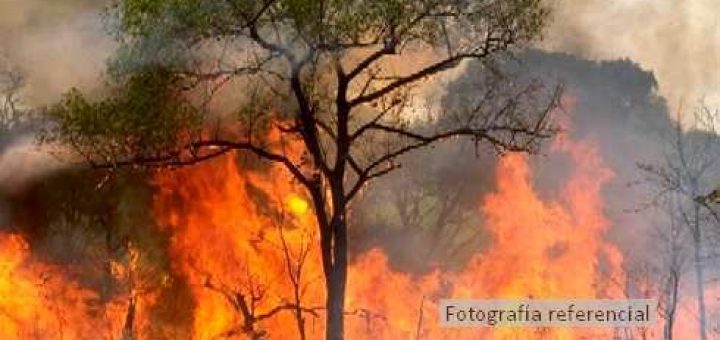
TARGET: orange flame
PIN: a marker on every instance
(38, 302)
(237, 236)
(541, 250)
(227, 226)
(244, 243)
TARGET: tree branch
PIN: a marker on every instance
(425, 72)
(218, 147)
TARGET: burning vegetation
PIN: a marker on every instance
(291, 169)
(244, 262)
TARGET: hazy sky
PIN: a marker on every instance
(678, 40)
(56, 43)
(62, 43)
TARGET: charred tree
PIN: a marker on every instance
(315, 73)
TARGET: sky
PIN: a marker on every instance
(678, 40)
(55, 43)
(63, 43)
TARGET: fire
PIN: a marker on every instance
(38, 302)
(18, 294)
(541, 241)
(239, 249)
(297, 205)
(541, 249)
(229, 226)
(547, 249)
(244, 252)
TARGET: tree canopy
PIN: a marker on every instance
(196, 79)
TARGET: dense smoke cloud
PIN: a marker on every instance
(675, 39)
(615, 105)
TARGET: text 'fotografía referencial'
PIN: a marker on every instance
(547, 313)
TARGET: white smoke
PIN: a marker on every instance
(56, 44)
(23, 161)
(675, 39)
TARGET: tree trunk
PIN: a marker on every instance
(128, 328)
(699, 276)
(671, 305)
(335, 305)
(336, 280)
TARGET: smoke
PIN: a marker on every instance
(53, 45)
(613, 104)
(23, 161)
(674, 39)
(56, 44)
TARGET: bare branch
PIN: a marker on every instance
(425, 72)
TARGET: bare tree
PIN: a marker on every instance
(686, 175)
(250, 300)
(673, 250)
(295, 261)
(429, 217)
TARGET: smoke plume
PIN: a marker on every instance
(56, 44)
(674, 39)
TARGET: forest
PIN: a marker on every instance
(296, 169)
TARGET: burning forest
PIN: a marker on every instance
(353, 170)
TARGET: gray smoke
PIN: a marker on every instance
(616, 105)
(51, 46)
(675, 39)
(56, 44)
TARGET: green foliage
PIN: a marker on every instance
(147, 115)
(332, 22)
(170, 45)
(141, 16)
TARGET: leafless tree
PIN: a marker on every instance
(672, 247)
(250, 301)
(295, 260)
(250, 298)
(686, 176)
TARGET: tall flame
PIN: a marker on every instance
(228, 230)
(238, 238)
(243, 243)
(38, 302)
(540, 249)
